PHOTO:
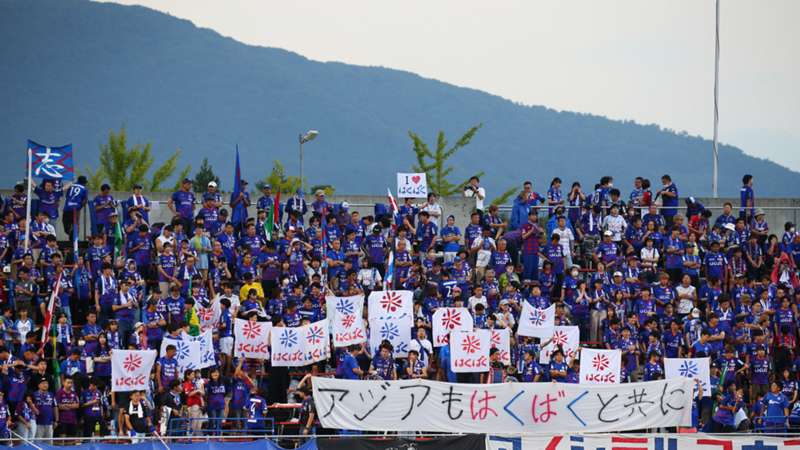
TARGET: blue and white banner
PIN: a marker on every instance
(52, 162)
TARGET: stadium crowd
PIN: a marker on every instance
(646, 273)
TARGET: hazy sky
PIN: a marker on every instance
(650, 61)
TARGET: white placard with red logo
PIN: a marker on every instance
(397, 332)
(536, 322)
(252, 339)
(501, 340)
(208, 316)
(130, 370)
(345, 314)
(568, 338)
(398, 305)
(600, 366)
(300, 346)
(412, 185)
(469, 350)
(446, 320)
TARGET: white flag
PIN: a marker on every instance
(396, 331)
(252, 339)
(130, 369)
(187, 352)
(536, 322)
(209, 317)
(501, 340)
(600, 366)
(346, 316)
(207, 356)
(568, 338)
(397, 305)
(694, 368)
(469, 351)
(300, 346)
(446, 320)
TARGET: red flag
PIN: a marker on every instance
(393, 203)
(48, 318)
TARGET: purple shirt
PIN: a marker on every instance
(184, 203)
(68, 416)
(46, 403)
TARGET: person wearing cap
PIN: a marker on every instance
(267, 202)
(213, 194)
(239, 204)
(137, 202)
(104, 205)
(320, 205)
(607, 251)
(759, 226)
(181, 203)
(109, 231)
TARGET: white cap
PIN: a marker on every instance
(730, 227)
(608, 233)
(695, 313)
(212, 184)
(617, 274)
(345, 205)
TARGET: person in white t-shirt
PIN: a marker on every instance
(474, 190)
(477, 298)
(482, 247)
(615, 223)
(422, 345)
(433, 209)
(566, 239)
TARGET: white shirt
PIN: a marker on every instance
(483, 255)
(474, 301)
(685, 305)
(566, 238)
(478, 198)
(418, 345)
(435, 211)
(615, 225)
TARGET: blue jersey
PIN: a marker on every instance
(75, 198)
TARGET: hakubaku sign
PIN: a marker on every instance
(130, 370)
(412, 185)
(504, 408)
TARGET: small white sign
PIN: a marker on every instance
(412, 185)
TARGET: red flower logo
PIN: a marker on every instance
(470, 344)
(391, 301)
(132, 362)
(348, 320)
(600, 362)
(251, 330)
(451, 319)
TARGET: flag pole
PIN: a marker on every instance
(28, 205)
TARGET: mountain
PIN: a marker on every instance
(71, 70)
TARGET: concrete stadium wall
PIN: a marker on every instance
(778, 210)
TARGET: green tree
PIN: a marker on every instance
(204, 176)
(122, 167)
(505, 196)
(279, 181)
(434, 163)
(327, 188)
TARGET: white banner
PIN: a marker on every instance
(209, 317)
(346, 316)
(507, 408)
(566, 337)
(600, 366)
(300, 346)
(501, 340)
(642, 442)
(187, 352)
(130, 369)
(412, 185)
(446, 320)
(397, 305)
(469, 350)
(536, 322)
(206, 340)
(692, 368)
(252, 339)
(397, 332)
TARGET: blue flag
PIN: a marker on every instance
(52, 162)
(236, 214)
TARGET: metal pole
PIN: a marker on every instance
(28, 206)
(714, 178)
(301, 161)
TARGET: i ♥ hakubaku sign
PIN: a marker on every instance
(412, 185)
